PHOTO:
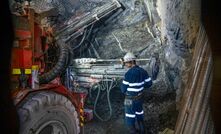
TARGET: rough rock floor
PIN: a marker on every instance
(160, 113)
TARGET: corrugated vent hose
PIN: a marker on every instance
(60, 67)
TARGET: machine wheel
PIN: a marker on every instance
(48, 113)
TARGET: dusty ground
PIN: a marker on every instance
(160, 113)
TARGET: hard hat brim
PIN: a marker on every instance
(129, 60)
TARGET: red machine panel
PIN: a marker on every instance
(22, 34)
(22, 50)
(21, 58)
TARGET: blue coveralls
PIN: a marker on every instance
(136, 79)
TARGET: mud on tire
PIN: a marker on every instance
(48, 113)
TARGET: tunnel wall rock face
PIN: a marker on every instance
(180, 20)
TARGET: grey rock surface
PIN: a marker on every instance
(180, 22)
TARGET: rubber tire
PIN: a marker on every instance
(42, 107)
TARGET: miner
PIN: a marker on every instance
(135, 81)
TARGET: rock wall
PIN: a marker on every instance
(180, 20)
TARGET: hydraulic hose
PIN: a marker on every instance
(108, 89)
(60, 66)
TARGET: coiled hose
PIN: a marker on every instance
(65, 55)
(60, 66)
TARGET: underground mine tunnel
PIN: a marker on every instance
(67, 70)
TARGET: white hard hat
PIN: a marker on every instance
(27, 3)
(129, 57)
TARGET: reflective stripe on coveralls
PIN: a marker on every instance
(130, 115)
(133, 115)
(139, 113)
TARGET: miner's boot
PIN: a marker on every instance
(141, 127)
(132, 129)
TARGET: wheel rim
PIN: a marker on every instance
(52, 127)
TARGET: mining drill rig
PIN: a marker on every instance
(49, 84)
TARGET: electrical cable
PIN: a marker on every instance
(108, 90)
(82, 40)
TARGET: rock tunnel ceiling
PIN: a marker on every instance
(131, 28)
